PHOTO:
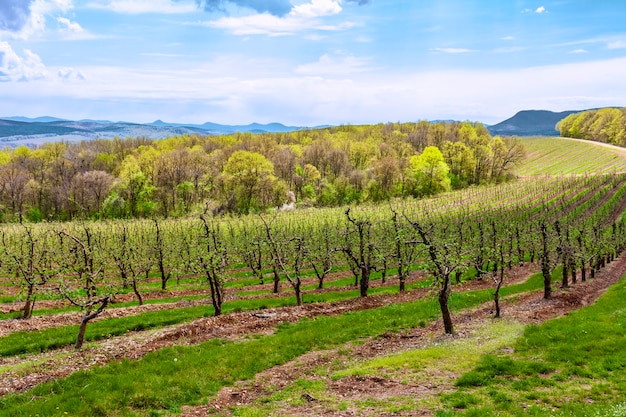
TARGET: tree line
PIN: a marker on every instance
(244, 172)
(607, 125)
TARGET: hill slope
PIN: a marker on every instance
(530, 123)
(560, 156)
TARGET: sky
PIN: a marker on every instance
(309, 62)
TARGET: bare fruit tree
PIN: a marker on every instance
(83, 281)
(30, 258)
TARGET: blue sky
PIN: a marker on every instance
(309, 62)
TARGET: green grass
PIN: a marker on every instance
(559, 156)
(43, 340)
(466, 351)
(572, 366)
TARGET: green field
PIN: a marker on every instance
(560, 156)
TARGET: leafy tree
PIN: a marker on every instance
(248, 176)
(429, 172)
(136, 188)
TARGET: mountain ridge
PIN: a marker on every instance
(19, 130)
(531, 123)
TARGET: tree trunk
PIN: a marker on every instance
(365, 281)
(298, 292)
(545, 264)
(29, 304)
(444, 295)
(565, 275)
(496, 298)
(137, 293)
(547, 284)
(216, 295)
(164, 277)
(81, 333)
(401, 278)
(80, 338)
(276, 289)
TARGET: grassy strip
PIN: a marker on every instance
(179, 375)
(43, 340)
(574, 365)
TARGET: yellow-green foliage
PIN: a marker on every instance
(176, 176)
(606, 125)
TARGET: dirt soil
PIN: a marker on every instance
(529, 308)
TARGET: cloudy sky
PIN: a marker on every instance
(309, 62)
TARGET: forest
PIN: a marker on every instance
(244, 172)
(606, 125)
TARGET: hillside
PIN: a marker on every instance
(530, 123)
(16, 131)
(561, 156)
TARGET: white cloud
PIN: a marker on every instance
(302, 17)
(579, 51)
(508, 38)
(258, 24)
(20, 68)
(52, 6)
(454, 50)
(538, 10)
(145, 6)
(238, 89)
(334, 66)
(67, 25)
(316, 8)
(617, 45)
(70, 74)
(35, 24)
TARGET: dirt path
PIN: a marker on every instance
(526, 308)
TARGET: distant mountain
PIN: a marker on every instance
(531, 123)
(15, 131)
(44, 119)
(215, 127)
